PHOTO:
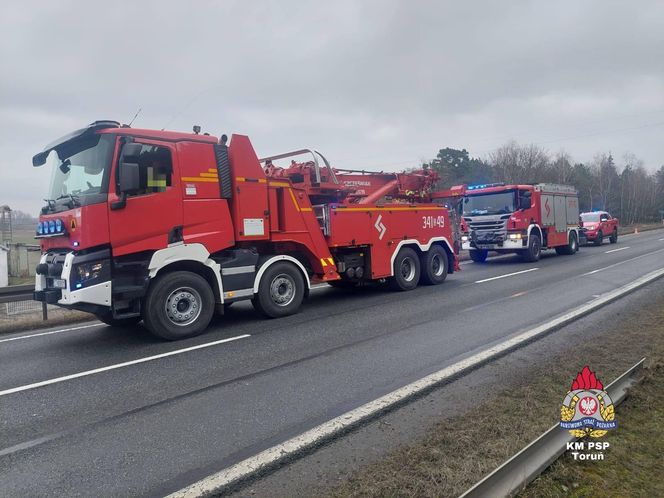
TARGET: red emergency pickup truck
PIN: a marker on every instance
(599, 224)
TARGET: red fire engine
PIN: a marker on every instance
(166, 227)
(522, 219)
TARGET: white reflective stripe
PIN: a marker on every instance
(236, 270)
(238, 293)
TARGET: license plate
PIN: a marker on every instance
(59, 283)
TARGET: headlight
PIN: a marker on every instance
(464, 238)
(515, 236)
(87, 274)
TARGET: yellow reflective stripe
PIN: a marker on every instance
(156, 183)
(306, 209)
(279, 184)
(243, 179)
(212, 170)
(210, 175)
(199, 179)
(331, 260)
(341, 210)
(322, 262)
(294, 200)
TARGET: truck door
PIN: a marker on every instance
(152, 217)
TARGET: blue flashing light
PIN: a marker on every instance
(44, 227)
(484, 185)
(58, 225)
(40, 228)
(79, 285)
(51, 226)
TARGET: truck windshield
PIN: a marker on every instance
(590, 217)
(495, 203)
(80, 171)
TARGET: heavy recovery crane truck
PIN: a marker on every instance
(167, 227)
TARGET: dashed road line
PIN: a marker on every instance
(86, 373)
(505, 276)
(616, 250)
(50, 332)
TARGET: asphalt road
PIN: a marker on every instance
(100, 411)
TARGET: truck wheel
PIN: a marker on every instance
(178, 305)
(434, 266)
(534, 250)
(478, 255)
(406, 270)
(614, 236)
(600, 238)
(108, 319)
(571, 247)
(280, 291)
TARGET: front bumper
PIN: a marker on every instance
(493, 241)
(56, 282)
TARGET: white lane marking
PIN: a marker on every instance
(118, 365)
(661, 240)
(53, 332)
(343, 422)
(621, 262)
(616, 250)
(505, 276)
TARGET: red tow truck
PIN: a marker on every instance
(168, 227)
(522, 219)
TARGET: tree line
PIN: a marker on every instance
(627, 190)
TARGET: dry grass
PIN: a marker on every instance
(458, 451)
(33, 320)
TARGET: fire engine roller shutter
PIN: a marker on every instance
(224, 170)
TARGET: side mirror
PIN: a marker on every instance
(129, 178)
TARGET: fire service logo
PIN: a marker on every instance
(587, 409)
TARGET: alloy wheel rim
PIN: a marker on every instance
(282, 290)
(183, 306)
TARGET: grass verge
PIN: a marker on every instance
(458, 451)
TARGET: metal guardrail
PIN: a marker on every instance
(513, 475)
(16, 293)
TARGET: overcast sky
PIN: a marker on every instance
(378, 85)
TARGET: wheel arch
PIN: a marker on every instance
(188, 257)
(275, 259)
(422, 248)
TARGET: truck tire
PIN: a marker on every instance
(280, 291)
(614, 236)
(433, 266)
(534, 250)
(478, 255)
(600, 238)
(108, 319)
(571, 247)
(178, 305)
(406, 270)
